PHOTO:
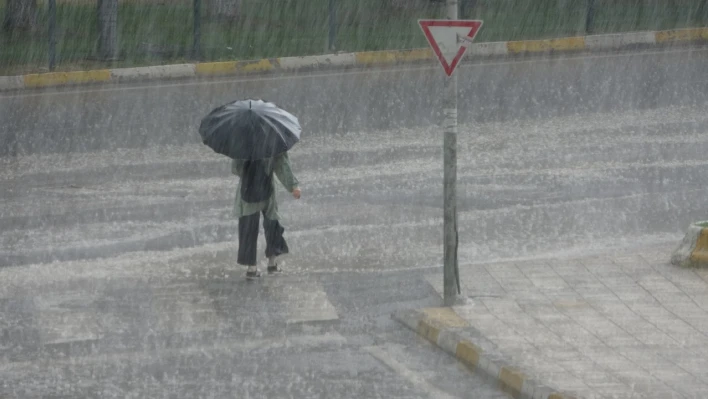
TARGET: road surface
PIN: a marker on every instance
(116, 232)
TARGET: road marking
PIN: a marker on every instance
(382, 70)
(58, 326)
(419, 382)
(303, 342)
(182, 308)
(67, 318)
(305, 301)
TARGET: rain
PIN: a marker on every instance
(127, 241)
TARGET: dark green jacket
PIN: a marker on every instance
(280, 166)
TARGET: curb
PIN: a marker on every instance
(693, 250)
(445, 329)
(344, 60)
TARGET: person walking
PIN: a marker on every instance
(257, 136)
(256, 195)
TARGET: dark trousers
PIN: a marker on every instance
(248, 238)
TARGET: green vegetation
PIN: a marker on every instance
(704, 224)
(158, 32)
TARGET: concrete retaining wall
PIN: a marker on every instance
(361, 59)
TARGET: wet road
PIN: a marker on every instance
(123, 280)
(329, 103)
(187, 325)
(629, 178)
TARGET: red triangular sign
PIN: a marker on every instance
(449, 39)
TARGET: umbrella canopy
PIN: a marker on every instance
(250, 130)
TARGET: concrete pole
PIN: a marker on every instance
(451, 282)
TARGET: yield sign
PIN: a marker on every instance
(449, 39)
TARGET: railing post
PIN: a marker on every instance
(466, 8)
(702, 16)
(52, 34)
(107, 29)
(331, 42)
(197, 35)
(590, 17)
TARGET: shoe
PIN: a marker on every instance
(274, 270)
(253, 275)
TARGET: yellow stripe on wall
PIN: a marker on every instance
(682, 35)
(66, 78)
(700, 253)
(538, 46)
(215, 68)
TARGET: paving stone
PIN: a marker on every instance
(610, 326)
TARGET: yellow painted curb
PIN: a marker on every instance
(390, 57)
(428, 331)
(215, 68)
(437, 319)
(700, 253)
(511, 381)
(468, 353)
(447, 330)
(537, 46)
(682, 35)
(445, 317)
(693, 249)
(66, 78)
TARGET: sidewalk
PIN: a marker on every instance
(622, 325)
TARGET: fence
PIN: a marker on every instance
(66, 34)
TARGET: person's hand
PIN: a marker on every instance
(296, 192)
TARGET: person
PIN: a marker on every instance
(256, 195)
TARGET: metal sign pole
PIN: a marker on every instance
(451, 283)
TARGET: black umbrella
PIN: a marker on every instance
(250, 130)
